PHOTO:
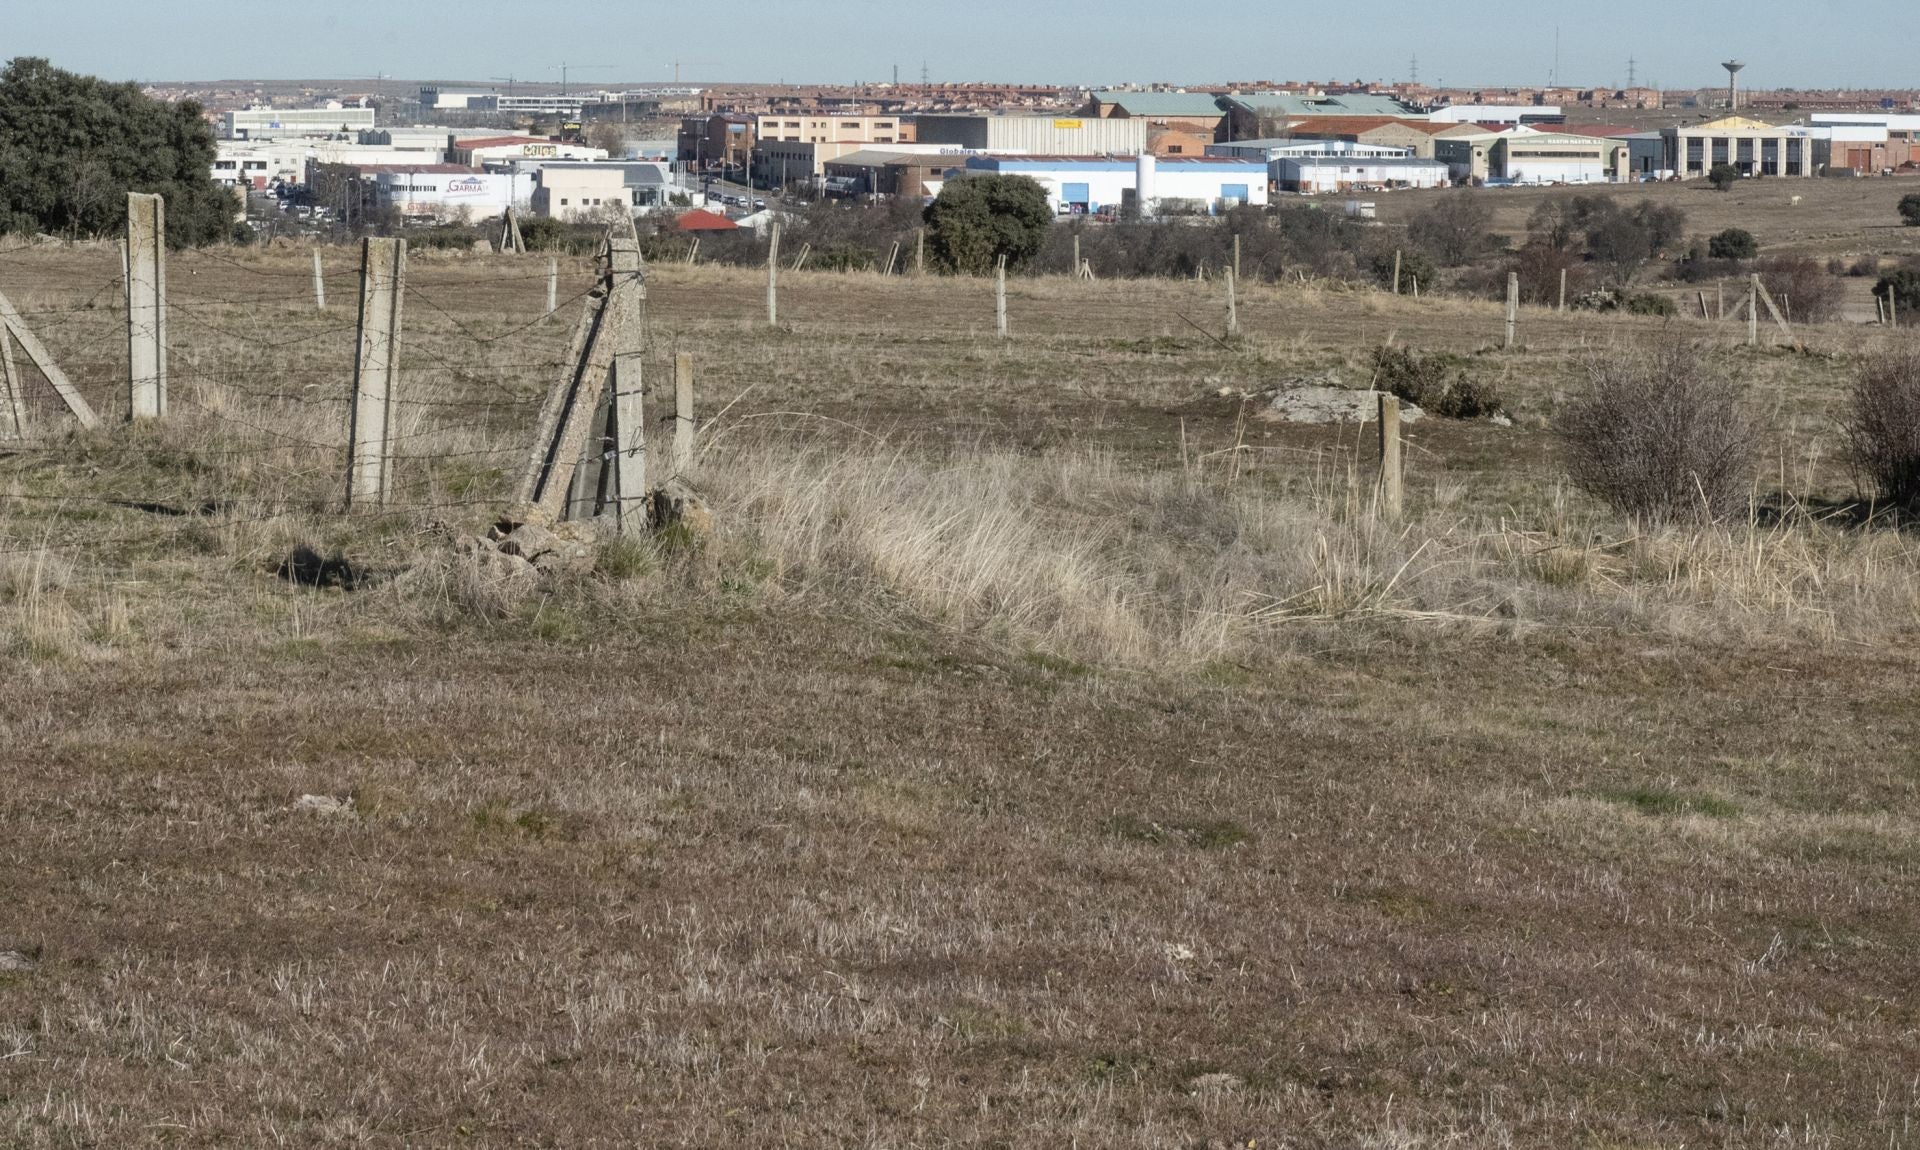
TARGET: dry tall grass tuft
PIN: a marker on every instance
(1074, 553)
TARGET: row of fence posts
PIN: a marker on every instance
(589, 455)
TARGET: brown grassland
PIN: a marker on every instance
(1043, 750)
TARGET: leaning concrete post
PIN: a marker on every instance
(319, 283)
(682, 413)
(13, 413)
(1000, 297)
(383, 282)
(1390, 480)
(629, 486)
(146, 306)
(1513, 306)
(773, 277)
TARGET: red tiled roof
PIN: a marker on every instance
(698, 220)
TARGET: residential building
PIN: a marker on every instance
(798, 128)
(717, 142)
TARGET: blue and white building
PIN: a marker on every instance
(1163, 185)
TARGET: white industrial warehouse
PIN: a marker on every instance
(1085, 185)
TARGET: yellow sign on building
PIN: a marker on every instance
(1067, 124)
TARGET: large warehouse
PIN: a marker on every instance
(1039, 135)
(1524, 156)
(1316, 174)
(1179, 185)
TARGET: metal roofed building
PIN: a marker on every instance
(1498, 114)
(1155, 105)
(1040, 135)
(1311, 175)
(1345, 104)
(272, 123)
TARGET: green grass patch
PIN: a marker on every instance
(1201, 834)
(1661, 802)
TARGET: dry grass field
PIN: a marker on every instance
(1042, 750)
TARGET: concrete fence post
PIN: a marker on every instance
(1396, 271)
(1753, 312)
(920, 252)
(1236, 255)
(629, 486)
(1000, 297)
(773, 276)
(683, 426)
(553, 284)
(1563, 289)
(1513, 307)
(1233, 304)
(1390, 477)
(383, 286)
(319, 283)
(146, 306)
(13, 412)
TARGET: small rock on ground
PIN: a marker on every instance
(323, 805)
(13, 962)
(1330, 405)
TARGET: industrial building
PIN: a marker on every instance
(1418, 137)
(888, 172)
(1090, 185)
(273, 123)
(1319, 174)
(575, 192)
(1526, 156)
(1037, 135)
(1523, 115)
(649, 183)
(1869, 142)
(1281, 105)
(442, 192)
(474, 153)
(1753, 148)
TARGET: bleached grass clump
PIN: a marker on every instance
(1076, 553)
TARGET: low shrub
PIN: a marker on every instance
(1733, 244)
(1882, 427)
(1649, 303)
(1802, 288)
(1660, 435)
(1434, 382)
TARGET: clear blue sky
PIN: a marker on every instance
(1864, 43)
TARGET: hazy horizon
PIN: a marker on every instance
(811, 41)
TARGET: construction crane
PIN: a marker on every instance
(565, 68)
(509, 81)
(678, 64)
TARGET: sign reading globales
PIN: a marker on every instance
(1067, 125)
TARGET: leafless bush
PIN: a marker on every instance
(1660, 436)
(1803, 287)
(1883, 426)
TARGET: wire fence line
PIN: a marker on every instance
(259, 385)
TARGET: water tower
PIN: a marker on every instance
(1733, 82)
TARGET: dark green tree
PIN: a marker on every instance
(1733, 244)
(976, 220)
(1910, 210)
(1905, 286)
(72, 147)
(1723, 176)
